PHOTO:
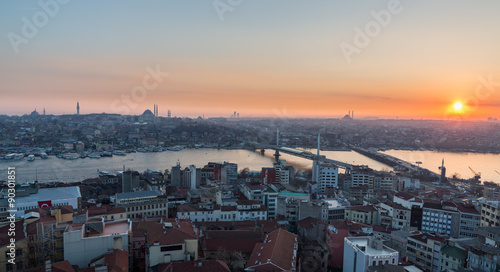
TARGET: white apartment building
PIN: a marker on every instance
(362, 252)
(327, 177)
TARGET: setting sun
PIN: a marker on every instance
(458, 106)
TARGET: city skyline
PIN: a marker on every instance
(261, 60)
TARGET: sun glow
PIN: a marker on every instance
(458, 106)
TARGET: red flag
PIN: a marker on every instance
(47, 203)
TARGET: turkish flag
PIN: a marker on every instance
(46, 203)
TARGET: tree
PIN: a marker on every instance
(234, 259)
(244, 172)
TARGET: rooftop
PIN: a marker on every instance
(177, 233)
(195, 266)
(140, 194)
(364, 243)
(367, 208)
(278, 250)
(51, 194)
(454, 252)
(424, 236)
(111, 228)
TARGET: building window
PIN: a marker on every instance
(171, 248)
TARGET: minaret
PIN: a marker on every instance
(77, 108)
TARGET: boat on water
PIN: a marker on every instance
(175, 148)
(71, 156)
(94, 156)
(18, 156)
(119, 153)
(31, 157)
(106, 154)
(44, 155)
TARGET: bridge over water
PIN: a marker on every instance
(302, 154)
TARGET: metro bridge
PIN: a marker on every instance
(300, 153)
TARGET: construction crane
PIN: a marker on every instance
(477, 175)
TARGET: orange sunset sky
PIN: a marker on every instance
(259, 58)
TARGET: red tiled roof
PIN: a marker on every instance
(62, 266)
(195, 266)
(117, 261)
(255, 186)
(467, 208)
(277, 251)
(232, 240)
(404, 195)
(175, 235)
(309, 223)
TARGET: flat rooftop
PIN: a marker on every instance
(140, 194)
(360, 242)
(51, 194)
(112, 228)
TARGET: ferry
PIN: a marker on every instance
(71, 156)
(175, 148)
(106, 154)
(31, 157)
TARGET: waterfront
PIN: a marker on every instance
(455, 162)
(55, 169)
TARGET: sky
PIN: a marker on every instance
(280, 58)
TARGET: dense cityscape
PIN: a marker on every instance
(222, 216)
(249, 136)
